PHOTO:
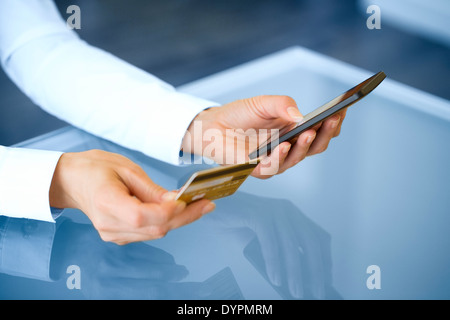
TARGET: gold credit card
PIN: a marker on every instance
(215, 183)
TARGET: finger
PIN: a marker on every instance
(123, 238)
(123, 213)
(140, 184)
(273, 107)
(299, 150)
(333, 123)
(269, 166)
(342, 114)
(324, 135)
(160, 215)
(191, 213)
(108, 210)
(163, 220)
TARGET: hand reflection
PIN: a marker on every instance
(289, 249)
(109, 271)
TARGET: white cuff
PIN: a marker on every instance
(25, 178)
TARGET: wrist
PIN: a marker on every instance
(195, 140)
(59, 194)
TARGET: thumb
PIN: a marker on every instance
(275, 106)
(140, 185)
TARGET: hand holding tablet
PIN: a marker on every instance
(223, 181)
(311, 119)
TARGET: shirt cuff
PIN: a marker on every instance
(25, 179)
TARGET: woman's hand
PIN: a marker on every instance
(227, 134)
(122, 202)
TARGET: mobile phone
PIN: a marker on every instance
(311, 119)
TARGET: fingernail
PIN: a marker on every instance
(208, 208)
(310, 138)
(294, 113)
(181, 205)
(334, 123)
(286, 149)
(169, 196)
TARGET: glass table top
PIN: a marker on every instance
(367, 219)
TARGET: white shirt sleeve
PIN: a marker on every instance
(89, 87)
(84, 86)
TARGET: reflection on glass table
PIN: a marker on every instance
(288, 253)
(134, 271)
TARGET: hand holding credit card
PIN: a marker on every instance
(223, 181)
